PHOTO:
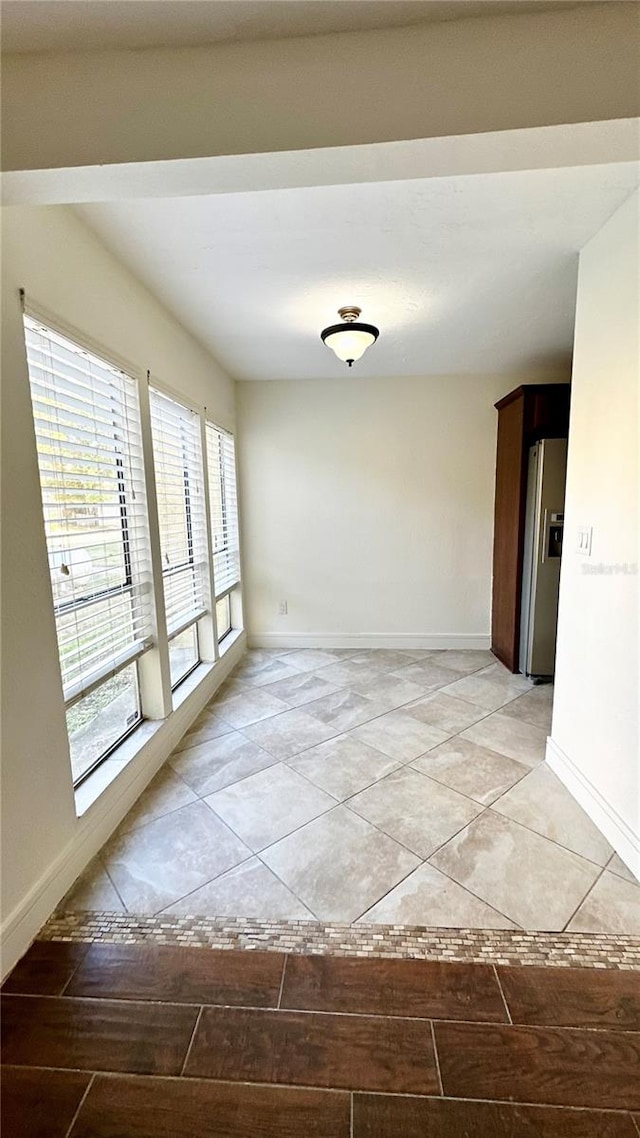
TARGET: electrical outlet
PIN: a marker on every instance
(283, 608)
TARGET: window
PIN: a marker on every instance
(223, 617)
(223, 500)
(177, 454)
(88, 437)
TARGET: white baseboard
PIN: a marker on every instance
(328, 640)
(98, 823)
(625, 842)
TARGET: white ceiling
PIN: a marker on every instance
(473, 274)
(81, 25)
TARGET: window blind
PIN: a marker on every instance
(177, 454)
(223, 500)
(87, 425)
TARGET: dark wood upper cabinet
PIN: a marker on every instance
(526, 415)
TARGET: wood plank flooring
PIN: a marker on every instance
(141, 1040)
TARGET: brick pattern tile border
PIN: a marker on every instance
(500, 946)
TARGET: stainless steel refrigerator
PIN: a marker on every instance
(544, 524)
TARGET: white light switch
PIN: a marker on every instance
(583, 541)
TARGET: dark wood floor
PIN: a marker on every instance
(108, 1041)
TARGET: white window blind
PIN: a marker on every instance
(177, 455)
(223, 500)
(87, 424)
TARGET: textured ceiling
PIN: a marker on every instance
(469, 274)
(81, 25)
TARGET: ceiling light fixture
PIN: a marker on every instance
(350, 339)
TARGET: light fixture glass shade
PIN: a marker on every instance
(350, 339)
(348, 343)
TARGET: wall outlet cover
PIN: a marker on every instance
(584, 538)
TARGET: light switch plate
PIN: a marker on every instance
(583, 540)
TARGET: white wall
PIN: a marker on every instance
(62, 266)
(461, 77)
(594, 742)
(368, 507)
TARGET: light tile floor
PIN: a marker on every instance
(394, 787)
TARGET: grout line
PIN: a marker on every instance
(499, 983)
(115, 1075)
(284, 967)
(436, 1058)
(80, 1106)
(635, 1120)
(74, 970)
(328, 1013)
(113, 884)
(565, 927)
(193, 1035)
(164, 911)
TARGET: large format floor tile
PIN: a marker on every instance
(343, 766)
(559, 1066)
(45, 969)
(345, 673)
(481, 692)
(248, 890)
(310, 659)
(40, 1104)
(208, 725)
(517, 872)
(301, 688)
(287, 734)
(268, 805)
(339, 865)
(534, 706)
(541, 802)
(313, 1049)
(388, 691)
(464, 660)
(399, 735)
(404, 1116)
(93, 891)
(415, 810)
(517, 740)
(616, 865)
(445, 711)
(240, 708)
(264, 670)
(386, 659)
(344, 709)
(427, 674)
(178, 975)
(200, 1108)
(613, 906)
(424, 989)
(430, 898)
(173, 855)
(471, 769)
(96, 1035)
(220, 762)
(567, 997)
(166, 792)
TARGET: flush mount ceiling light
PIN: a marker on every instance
(350, 339)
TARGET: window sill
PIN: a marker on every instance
(132, 747)
(96, 784)
(229, 641)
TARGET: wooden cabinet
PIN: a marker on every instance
(526, 415)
